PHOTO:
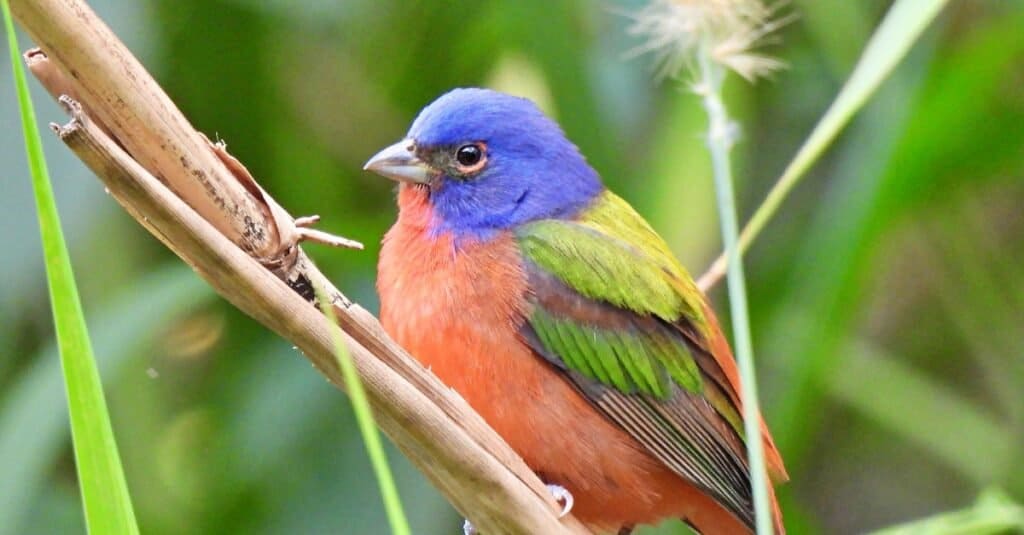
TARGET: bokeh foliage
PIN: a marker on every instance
(887, 297)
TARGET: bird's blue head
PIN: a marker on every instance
(490, 162)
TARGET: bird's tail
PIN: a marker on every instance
(715, 519)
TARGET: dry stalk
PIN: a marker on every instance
(203, 204)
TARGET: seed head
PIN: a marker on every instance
(727, 30)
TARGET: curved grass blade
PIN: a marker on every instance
(108, 507)
(900, 28)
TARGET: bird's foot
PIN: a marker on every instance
(561, 494)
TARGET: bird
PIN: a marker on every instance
(558, 313)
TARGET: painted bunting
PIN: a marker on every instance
(560, 315)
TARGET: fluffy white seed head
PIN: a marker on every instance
(727, 30)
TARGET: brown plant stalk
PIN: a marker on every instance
(203, 204)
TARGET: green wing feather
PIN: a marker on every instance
(616, 257)
(613, 309)
(611, 255)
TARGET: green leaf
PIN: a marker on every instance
(108, 507)
(993, 513)
(899, 30)
(367, 426)
(124, 323)
(908, 403)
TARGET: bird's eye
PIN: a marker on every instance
(468, 155)
(470, 158)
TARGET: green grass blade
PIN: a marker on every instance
(899, 30)
(108, 507)
(123, 325)
(993, 513)
(367, 427)
(908, 403)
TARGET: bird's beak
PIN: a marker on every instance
(398, 162)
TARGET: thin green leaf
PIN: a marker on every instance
(993, 513)
(899, 30)
(108, 507)
(367, 426)
(123, 325)
(908, 403)
(834, 264)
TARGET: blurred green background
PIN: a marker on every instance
(887, 296)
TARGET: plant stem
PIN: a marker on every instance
(889, 44)
(364, 420)
(720, 139)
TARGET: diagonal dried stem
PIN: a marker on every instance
(206, 208)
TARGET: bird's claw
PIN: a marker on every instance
(562, 496)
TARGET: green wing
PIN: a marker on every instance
(616, 313)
